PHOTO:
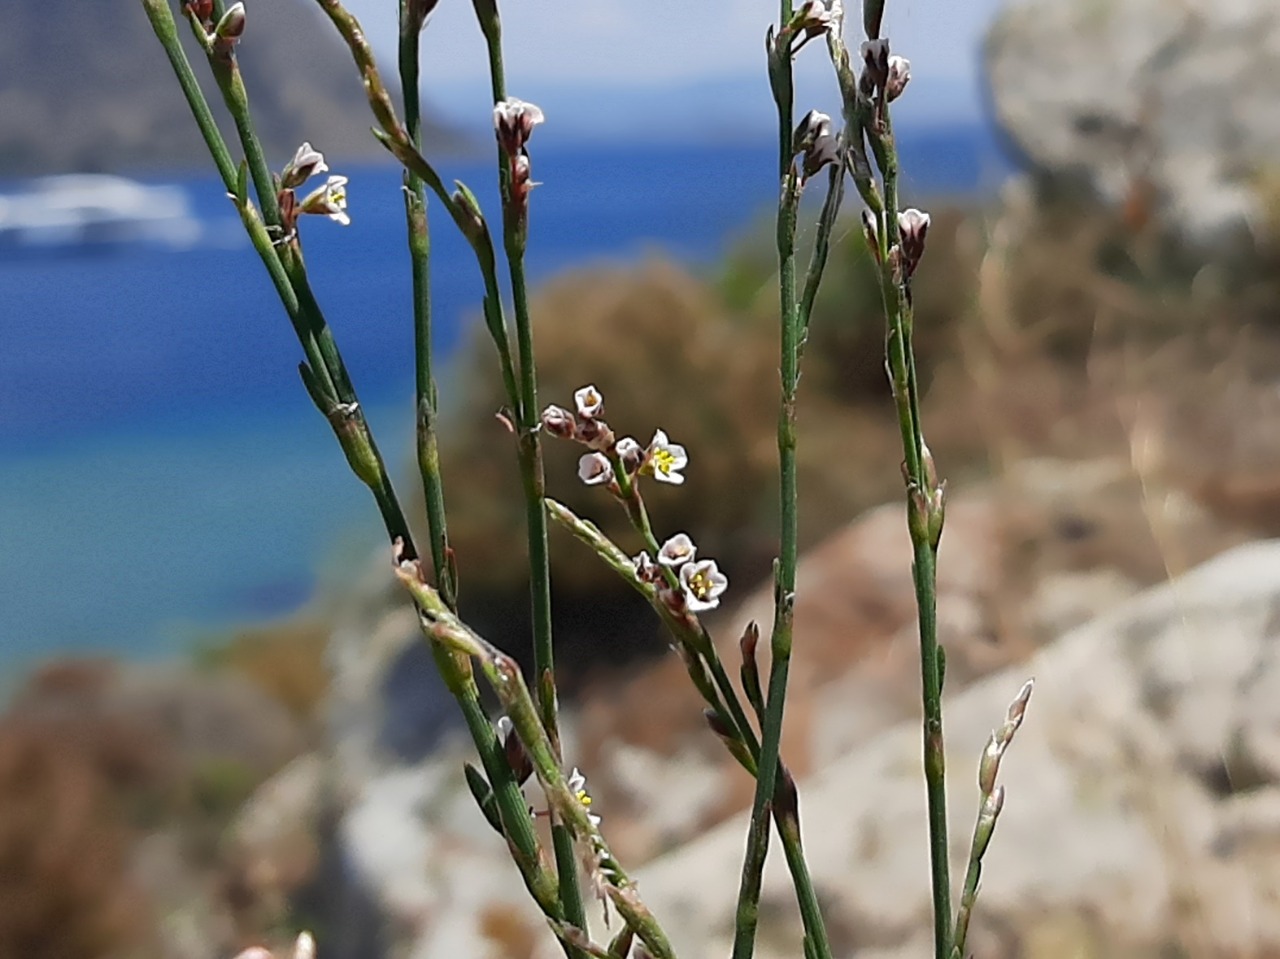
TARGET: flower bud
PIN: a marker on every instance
(595, 434)
(826, 149)
(913, 227)
(513, 121)
(589, 401)
(594, 469)
(467, 215)
(231, 27)
(630, 452)
(559, 422)
(306, 163)
(875, 65)
(202, 10)
(814, 125)
(898, 78)
(813, 19)
(514, 752)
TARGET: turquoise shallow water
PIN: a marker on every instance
(162, 475)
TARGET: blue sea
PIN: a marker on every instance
(163, 477)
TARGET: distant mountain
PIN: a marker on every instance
(84, 86)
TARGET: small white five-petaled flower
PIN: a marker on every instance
(578, 786)
(329, 200)
(595, 469)
(664, 460)
(677, 551)
(703, 583)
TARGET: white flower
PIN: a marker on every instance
(329, 200)
(306, 163)
(589, 401)
(594, 469)
(664, 460)
(305, 947)
(677, 551)
(578, 786)
(703, 583)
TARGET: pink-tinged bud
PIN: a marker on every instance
(824, 150)
(594, 469)
(595, 434)
(306, 163)
(913, 227)
(814, 125)
(202, 10)
(513, 121)
(898, 78)
(813, 19)
(630, 452)
(875, 65)
(231, 27)
(559, 422)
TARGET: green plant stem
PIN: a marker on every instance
(507, 681)
(901, 359)
(425, 397)
(533, 481)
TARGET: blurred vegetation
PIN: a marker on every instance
(1037, 320)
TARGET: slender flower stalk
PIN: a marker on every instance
(287, 273)
(897, 240)
(792, 321)
(507, 681)
(990, 802)
(419, 238)
(514, 121)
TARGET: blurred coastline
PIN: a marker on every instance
(204, 511)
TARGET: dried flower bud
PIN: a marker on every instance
(898, 78)
(913, 227)
(559, 422)
(231, 27)
(513, 121)
(306, 163)
(630, 452)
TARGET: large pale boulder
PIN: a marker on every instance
(1154, 101)
(1143, 811)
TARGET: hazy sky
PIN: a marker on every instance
(645, 42)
